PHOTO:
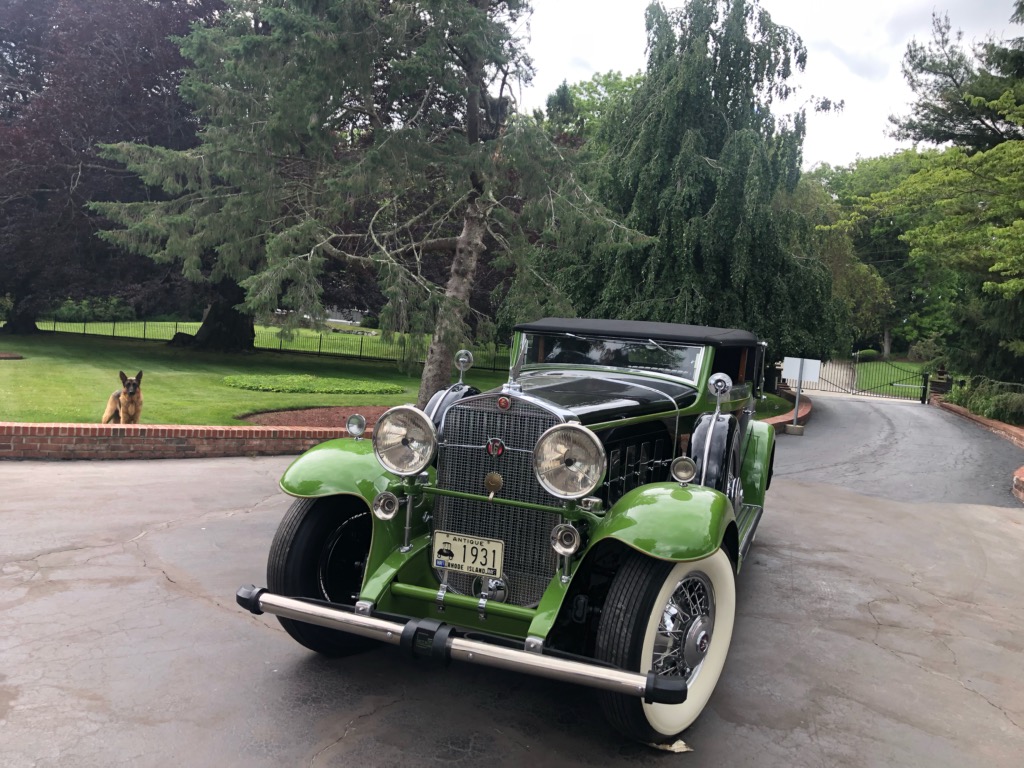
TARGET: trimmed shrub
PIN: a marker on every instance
(867, 355)
(94, 310)
(306, 384)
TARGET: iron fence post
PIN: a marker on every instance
(924, 387)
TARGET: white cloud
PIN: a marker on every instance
(854, 53)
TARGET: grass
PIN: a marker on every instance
(894, 379)
(67, 378)
(347, 341)
(772, 405)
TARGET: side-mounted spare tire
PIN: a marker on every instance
(716, 442)
(319, 552)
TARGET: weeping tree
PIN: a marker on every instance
(360, 132)
(694, 157)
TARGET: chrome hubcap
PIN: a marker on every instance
(686, 628)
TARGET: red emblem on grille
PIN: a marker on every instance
(495, 447)
(504, 403)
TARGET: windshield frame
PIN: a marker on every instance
(535, 345)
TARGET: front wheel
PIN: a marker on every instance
(319, 552)
(675, 619)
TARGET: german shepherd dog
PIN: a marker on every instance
(125, 405)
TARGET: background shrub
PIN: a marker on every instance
(867, 355)
(94, 310)
(305, 383)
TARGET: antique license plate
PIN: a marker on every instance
(468, 554)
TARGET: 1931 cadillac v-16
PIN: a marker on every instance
(584, 522)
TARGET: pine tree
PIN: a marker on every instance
(369, 132)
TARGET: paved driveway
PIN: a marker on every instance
(880, 622)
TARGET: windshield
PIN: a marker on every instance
(649, 355)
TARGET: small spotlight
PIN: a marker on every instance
(683, 469)
(356, 425)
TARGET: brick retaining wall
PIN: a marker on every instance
(153, 441)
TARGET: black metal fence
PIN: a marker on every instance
(873, 378)
(351, 343)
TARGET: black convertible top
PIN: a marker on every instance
(638, 329)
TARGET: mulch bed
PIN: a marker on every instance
(10, 356)
(316, 417)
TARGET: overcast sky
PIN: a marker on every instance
(854, 53)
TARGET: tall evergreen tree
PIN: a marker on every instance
(695, 159)
(356, 132)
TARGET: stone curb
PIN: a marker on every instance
(1006, 431)
(806, 405)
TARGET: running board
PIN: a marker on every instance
(747, 520)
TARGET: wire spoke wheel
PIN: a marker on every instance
(675, 619)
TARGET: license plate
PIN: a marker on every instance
(468, 554)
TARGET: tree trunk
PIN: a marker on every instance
(22, 319)
(224, 328)
(437, 370)
(886, 343)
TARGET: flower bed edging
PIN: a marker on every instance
(61, 442)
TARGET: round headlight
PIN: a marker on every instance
(569, 461)
(404, 440)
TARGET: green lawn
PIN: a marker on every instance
(68, 378)
(772, 405)
(895, 379)
(345, 340)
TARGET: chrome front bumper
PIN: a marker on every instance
(429, 638)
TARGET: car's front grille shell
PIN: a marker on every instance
(463, 463)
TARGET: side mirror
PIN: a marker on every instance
(463, 361)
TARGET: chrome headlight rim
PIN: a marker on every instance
(600, 461)
(425, 459)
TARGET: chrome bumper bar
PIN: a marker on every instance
(429, 638)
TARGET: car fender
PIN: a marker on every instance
(757, 461)
(342, 466)
(668, 521)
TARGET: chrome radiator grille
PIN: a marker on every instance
(463, 463)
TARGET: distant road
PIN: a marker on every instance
(900, 450)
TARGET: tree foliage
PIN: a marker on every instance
(694, 158)
(356, 132)
(970, 220)
(917, 296)
(74, 73)
(961, 211)
(958, 92)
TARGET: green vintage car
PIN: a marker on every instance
(585, 522)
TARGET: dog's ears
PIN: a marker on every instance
(124, 379)
(138, 377)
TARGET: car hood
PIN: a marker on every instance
(596, 397)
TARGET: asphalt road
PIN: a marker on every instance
(879, 623)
